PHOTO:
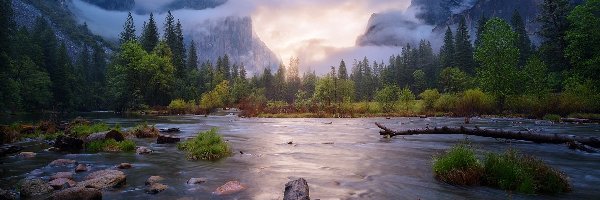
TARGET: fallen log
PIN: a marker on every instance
(573, 141)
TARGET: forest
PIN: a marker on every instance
(500, 72)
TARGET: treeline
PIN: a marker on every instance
(38, 74)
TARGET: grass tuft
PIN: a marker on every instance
(208, 145)
(552, 117)
(144, 130)
(84, 129)
(111, 145)
(458, 166)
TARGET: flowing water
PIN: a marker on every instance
(340, 159)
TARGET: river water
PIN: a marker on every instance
(340, 159)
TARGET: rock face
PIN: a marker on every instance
(230, 188)
(65, 143)
(77, 193)
(104, 179)
(62, 183)
(62, 162)
(35, 188)
(167, 139)
(296, 190)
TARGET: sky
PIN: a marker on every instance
(319, 32)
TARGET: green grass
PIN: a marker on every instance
(507, 171)
(83, 130)
(458, 166)
(552, 117)
(208, 145)
(144, 130)
(110, 145)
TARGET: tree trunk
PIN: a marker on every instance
(575, 142)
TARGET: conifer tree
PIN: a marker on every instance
(150, 36)
(343, 72)
(447, 50)
(128, 33)
(553, 19)
(463, 55)
(523, 42)
(192, 58)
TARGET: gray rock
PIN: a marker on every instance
(62, 162)
(35, 189)
(67, 175)
(124, 166)
(154, 179)
(8, 195)
(112, 134)
(81, 168)
(155, 188)
(62, 183)
(296, 190)
(78, 193)
(104, 179)
(167, 139)
(230, 188)
(143, 150)
(27, 154)
(196, 181)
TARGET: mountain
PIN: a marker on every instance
(130, 5)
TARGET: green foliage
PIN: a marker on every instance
(511, 171)
(453, 79)
(150, 36)
(583, 39)
(406, 97)
(331, 90)
(128, 33)
(110, 145)
(447, 50)
(474, 102)
(523, 41)
(420, 81)
(552, 117)
(387, 96)
(554, 25)
(446, 103)
(83, 129)
(178, 106)
(218, 97)
(458, 166)
(429, 98)
(144, 130)
(463, 55)
(208, 145)
(535, 78)
(498, 56)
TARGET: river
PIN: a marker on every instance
(340, 159)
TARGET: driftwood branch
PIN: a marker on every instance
(574, 142)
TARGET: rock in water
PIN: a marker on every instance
(112, 134)
(230, 188)
(78, 193)
(67, 175)
(27, 154)
(153, 179)
(143, 150)
(296, 190)
(8, 195)
(166, 139)
(155, 188)
(35, 188)
(104, 179)
(196, 181)
(62, 183)
(65, 143)
(124, 166)
(81, 168)
(62, 162)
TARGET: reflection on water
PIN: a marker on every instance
(346, 159)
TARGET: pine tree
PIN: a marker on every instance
(343, 72)
(463, 55)
(523, 42)
(7, 23)
(150, 36)
(480, 26)
(192, 58)
(553, 18)
(447, 50)
(128, 33)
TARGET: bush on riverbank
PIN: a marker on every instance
(111, 145)
(507, 171)
(208, 145)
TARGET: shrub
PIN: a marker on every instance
(111, 145)
(387, 96)
(208, 145)
(511, 171)
(144, 130)
(429, 98)
(458, 166)
(446, 103)
(406, 98)
(474, 101)
(552, 117)
(83, 129)
(177, 106)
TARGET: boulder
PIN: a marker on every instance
(124, 166)
(8, 195)
(155, 188)
(104, 179)
(81, 168)
(57, 175)
(167, 139)
(9, 149)
(35, 189)
(62, 162)
(77, 193)
(62, 183)
(230, 188)
(169, 130)
(154, 179)
(65, 143)
(143, 150)
(27, 154)
(106, 135)
(196, 181)
(296, 190)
